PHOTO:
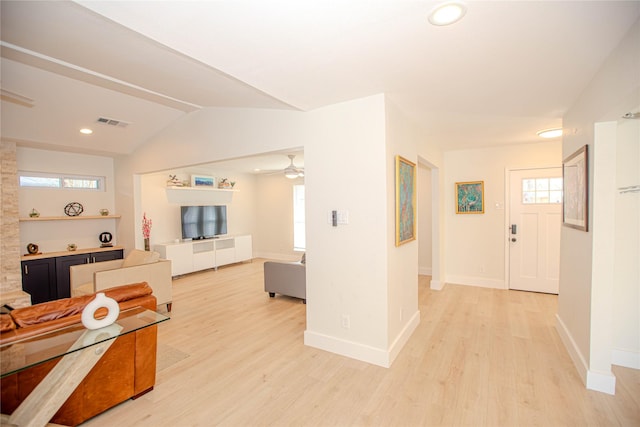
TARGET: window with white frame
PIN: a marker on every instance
(299, 240)
(60, 181)
(541, 190)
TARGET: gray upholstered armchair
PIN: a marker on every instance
(286, 278)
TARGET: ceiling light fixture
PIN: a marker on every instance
(447, 13)
(292, 171)
(86, 131)
(550, 133)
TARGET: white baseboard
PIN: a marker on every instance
(574, 352)
(425, 271)
(364, 353)
(350, 349)
(604, 382)
(436, 285)
(625, 358)
(476, 281)
(404, 335)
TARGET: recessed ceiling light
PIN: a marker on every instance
(86, 131)
(447, 13)
(550, 133)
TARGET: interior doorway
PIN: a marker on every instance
(429, 249)
(424, 221)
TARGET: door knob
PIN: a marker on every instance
(513, 239)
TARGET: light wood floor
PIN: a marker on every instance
(231, 356)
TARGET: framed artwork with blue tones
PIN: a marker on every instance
(405, 201)
(203, 181)
(470, 197)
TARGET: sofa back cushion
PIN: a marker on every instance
(47, 311)
(138, 257)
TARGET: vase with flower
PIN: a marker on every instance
(146, 231)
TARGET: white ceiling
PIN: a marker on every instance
(508, 69)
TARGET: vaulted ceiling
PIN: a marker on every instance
(505, 71)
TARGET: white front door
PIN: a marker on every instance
(535, 212)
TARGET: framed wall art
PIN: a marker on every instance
(470, 197)
(405, 201)
(203, 181)
(575, 177)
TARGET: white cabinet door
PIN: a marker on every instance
(204, 256)
(244, 249)
(225, 256)
(225, 251)
(181, 256)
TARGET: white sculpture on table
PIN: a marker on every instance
(88, 314)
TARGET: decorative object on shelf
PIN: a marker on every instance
(104, 212)
(224, 183)
(146, 231)
(73, 209)
(233, 184)
(174, 181)
(203, 181)
(405, 201)
(101, 301)
(470, 197)
(34, 213)
(32, 248)
(105, 239)
(72, 247)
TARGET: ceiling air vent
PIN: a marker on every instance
(112, 122)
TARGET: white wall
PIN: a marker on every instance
(402, 138)
(626, 280)
(345, 153)
(273, 237)
(53, 236)
(584, 318)
(345, 164)
(425, 221)
(475, 252)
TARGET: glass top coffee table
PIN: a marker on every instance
(80, 349)
(18, 355)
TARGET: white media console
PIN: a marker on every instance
(195, 255)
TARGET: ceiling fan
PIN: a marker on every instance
(292, 171)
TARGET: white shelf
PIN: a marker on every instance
(224, 190)
(68, 218)
(199, 195)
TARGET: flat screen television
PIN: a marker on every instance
(203, 222)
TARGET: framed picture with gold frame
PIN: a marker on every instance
(405, 201)
(470, 197)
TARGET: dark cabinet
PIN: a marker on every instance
(39, 279)
(64, 262)
(57, 282)
(63, 286)
(106, 256)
